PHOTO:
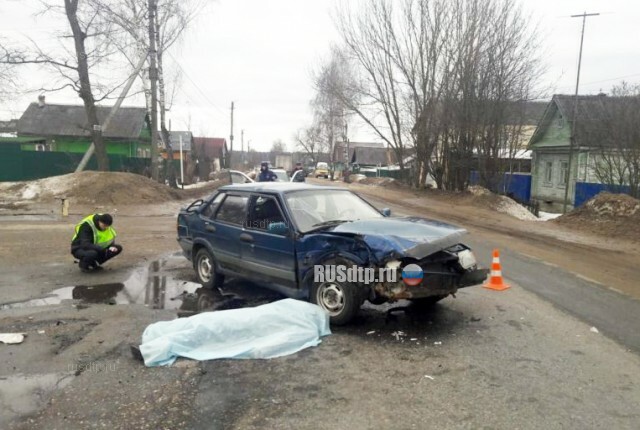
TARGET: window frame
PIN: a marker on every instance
(251, 204)
(548, 173)
(227, 196)
(211, 202)
(563, 174)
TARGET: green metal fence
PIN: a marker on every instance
(18, 165)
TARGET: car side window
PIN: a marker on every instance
(211, 208)
(233, 210)
(264, 211)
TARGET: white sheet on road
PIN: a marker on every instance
(272, 330)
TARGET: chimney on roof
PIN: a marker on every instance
(41, 100)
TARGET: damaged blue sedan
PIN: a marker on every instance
(323, 244)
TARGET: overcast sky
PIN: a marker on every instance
(260, 55)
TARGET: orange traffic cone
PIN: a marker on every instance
(495, 281)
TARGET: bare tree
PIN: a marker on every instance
(76, 64)
(278, 146)
(440, 77)
(618, 161)
(166, 24)
(309, 140)
(333, 99)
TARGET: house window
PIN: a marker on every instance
(559, 121)
(548, 172)
(564, 173)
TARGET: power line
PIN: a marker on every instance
(196, 85)
(606, 80)
(572, 139)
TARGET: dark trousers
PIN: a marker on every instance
(94, 255)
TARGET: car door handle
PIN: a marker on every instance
(209, 227)
(245, 237)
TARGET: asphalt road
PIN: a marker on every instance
(612, 313)
(525, 358)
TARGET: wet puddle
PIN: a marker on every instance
(152, 286)
(25, 394)
(155, 286)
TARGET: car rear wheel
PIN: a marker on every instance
(205, 266)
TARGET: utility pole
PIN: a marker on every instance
(242, 147)
(153, 77)
(114, 109)
(231, 139)
(575, 112)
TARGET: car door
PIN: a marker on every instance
(225, 229)
(267, 244)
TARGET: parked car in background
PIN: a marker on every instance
(282, 175)
(298, 176)
(275, 234)
(237, 177)
(322, 170)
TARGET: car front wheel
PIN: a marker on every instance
(341, 300)
(206, 270)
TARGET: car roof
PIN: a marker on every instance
(277, 187)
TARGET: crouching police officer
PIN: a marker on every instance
(94, 242)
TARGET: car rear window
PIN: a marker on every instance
(233, 210)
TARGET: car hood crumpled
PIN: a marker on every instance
(403, 237)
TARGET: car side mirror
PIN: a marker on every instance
(279, 228)
(386, 212)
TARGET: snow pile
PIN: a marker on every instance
(479, 191)
(612, 215)
(378, 182)
(546, 216)
(483, 197)
(511, 207)
(89, 187)
(613, 205)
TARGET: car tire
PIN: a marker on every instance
(208, 299)
(205, 266)
(341, 300)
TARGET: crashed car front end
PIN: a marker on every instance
(443, 273)
(447, 264)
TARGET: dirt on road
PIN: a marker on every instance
(81, 352)
(609, 260)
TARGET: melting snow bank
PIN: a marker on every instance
(268, 331)
(546, 216)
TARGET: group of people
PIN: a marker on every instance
(267, 175)
(94, 240)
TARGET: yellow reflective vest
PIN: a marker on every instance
(102, 238)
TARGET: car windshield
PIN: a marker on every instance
(282, 175)
(316, 209)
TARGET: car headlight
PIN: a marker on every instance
(467, 260)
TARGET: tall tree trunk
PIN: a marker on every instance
(170, 172)
(71, 9)
(153, 76)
